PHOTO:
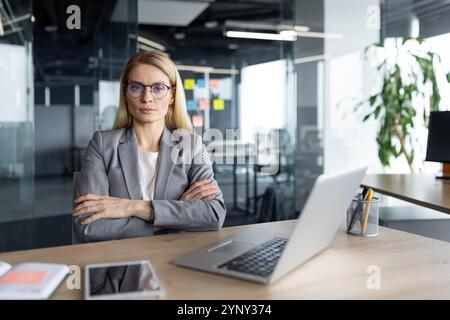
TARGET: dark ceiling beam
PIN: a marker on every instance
(273, 3)
(49, 8)
(259, 13)
(105, 17)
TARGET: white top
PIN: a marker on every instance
(147, 173)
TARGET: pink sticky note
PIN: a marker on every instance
(214, 83)
(204, 104)
(23, 277)
(197, 121)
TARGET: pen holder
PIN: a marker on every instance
(362, 217)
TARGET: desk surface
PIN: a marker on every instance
(421, 189)
(411, 266)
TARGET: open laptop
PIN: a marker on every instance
(265, 258)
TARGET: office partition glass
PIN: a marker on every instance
(16, 121)
(55, 58)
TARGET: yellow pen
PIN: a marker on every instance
(366, 213)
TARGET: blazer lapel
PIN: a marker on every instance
(165, 164)
(128, 155)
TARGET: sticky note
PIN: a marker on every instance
(200, 93)
(214, 83)
(200, 83)
(189, 84)
(23, 277)
(197, 121)
(204, 104)
(192, 105)
(218, 104)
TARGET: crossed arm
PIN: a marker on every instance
(98, 217)
(115, 208)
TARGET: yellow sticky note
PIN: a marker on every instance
(189, 84)
(218, 104)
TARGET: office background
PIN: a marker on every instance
(59, 85)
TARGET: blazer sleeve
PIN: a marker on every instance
(193, 215)
(93, 179)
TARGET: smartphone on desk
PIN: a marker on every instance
(122, 280)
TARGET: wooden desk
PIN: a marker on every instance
(411, 266)
(420, 189)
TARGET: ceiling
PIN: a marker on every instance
(191, 32)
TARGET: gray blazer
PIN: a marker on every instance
(111, 168)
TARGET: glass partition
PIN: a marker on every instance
(16, 121)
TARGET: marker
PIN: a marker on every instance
(366, 213)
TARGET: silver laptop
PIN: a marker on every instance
(265, 258)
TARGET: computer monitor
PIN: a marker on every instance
(438, 147)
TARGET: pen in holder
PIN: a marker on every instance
(362, 217)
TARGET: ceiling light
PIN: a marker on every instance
(324, 35)
(51, 28)
(17, 19)
(2, 32)
(263, 26)
(11, 31)
(150, 43)
(204, 69)
(179, 35)
(318, 57)
(33, 19)
(211, 24)
(145, 47)
(301, 28)
(288, 33)
(260, 35)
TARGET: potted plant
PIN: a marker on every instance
(409, 77)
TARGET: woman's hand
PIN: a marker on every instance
(109, 207)
(201, 190)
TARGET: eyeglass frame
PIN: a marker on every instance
(125, 85)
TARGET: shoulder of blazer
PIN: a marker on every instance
(111, 138)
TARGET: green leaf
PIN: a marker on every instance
(448, 77)
(372, 99)
(377, 111)
(406, 39)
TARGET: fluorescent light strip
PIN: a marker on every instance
(2, 32)
(195, 68)
(146, 48)
(263, 26)
(203, 69)
(311, 58)
(18, 19)
(11, 31)
(151, 43)
(310, 34)
(225, 71)
(260, 36)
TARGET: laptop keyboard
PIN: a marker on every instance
(259, 261)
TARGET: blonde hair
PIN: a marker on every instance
(177, 116)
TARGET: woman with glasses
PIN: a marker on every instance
(151, 173)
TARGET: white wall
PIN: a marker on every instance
(262, 98)
(13, 79)
(347, 141)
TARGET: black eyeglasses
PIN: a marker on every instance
(136, 89)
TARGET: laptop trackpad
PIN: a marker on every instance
(232, 248)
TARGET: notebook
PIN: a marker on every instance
(27, 281)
